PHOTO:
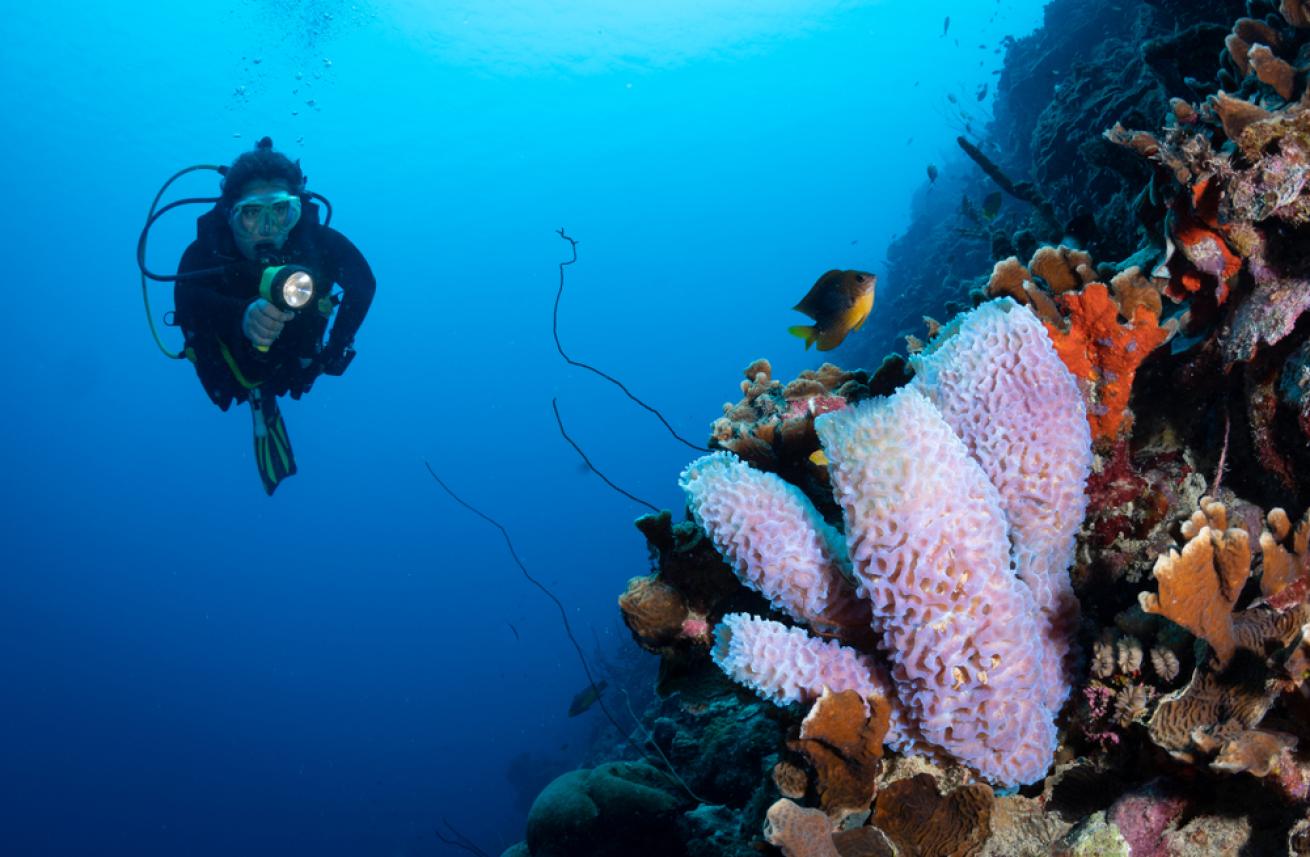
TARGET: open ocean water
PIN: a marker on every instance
(190, 667)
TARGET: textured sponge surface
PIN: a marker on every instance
(930, 547)
(998, 382)
(775, 540)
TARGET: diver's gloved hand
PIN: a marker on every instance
(263, 322)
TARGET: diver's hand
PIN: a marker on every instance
(263, 322)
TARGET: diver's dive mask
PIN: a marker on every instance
(265, 216)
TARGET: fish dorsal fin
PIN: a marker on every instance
(807, 303)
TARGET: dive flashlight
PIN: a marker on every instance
(287, 287)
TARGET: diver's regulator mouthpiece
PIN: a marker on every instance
(287, 287)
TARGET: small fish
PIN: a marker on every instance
(818, 458)
(947, 25)
(991, 204)
(839, 302)
(515, 630)
(932, 174)
(586, 698)
(982, 92)
(950, 96)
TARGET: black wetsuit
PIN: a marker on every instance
(210, 309)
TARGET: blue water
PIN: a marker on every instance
(188, 667)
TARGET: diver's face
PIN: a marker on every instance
(256, 225)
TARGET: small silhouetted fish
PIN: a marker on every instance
(932, 174)
(515, 630)
(839, 302)
(950, 96)
(586, 698)
(946, 26)
(855, 241)
(982, 92)
(991, 204)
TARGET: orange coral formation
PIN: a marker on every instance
(1133, 289)
(1296, 12)
(1208, 251)
(654, 611)
(1207, 707)
(1220, 708)
(1236, 114)
(863, 842)
(798, 831)
(842, 736)
(1199, 587)
(1064, 269)
(1252, 31)
(1008, 278)
(1282, 567)
(1238, 49)
(921, 821)
(1104, 353)
(790, 780)
(1272, 71)
(1013, 279)
(1256, 751)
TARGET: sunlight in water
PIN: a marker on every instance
(594, 36)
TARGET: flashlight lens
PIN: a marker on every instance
(298, 289)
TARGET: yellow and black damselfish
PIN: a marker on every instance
(839, 302)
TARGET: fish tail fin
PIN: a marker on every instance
(808, 332)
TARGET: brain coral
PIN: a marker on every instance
(996, 378)
(775, 540)
(930, 547)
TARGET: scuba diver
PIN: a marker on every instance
(254, 295)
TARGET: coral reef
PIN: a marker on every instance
(1031, 589)
(967, 583)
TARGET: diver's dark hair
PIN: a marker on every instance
(262, 164)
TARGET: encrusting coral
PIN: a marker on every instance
(1084, 322)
